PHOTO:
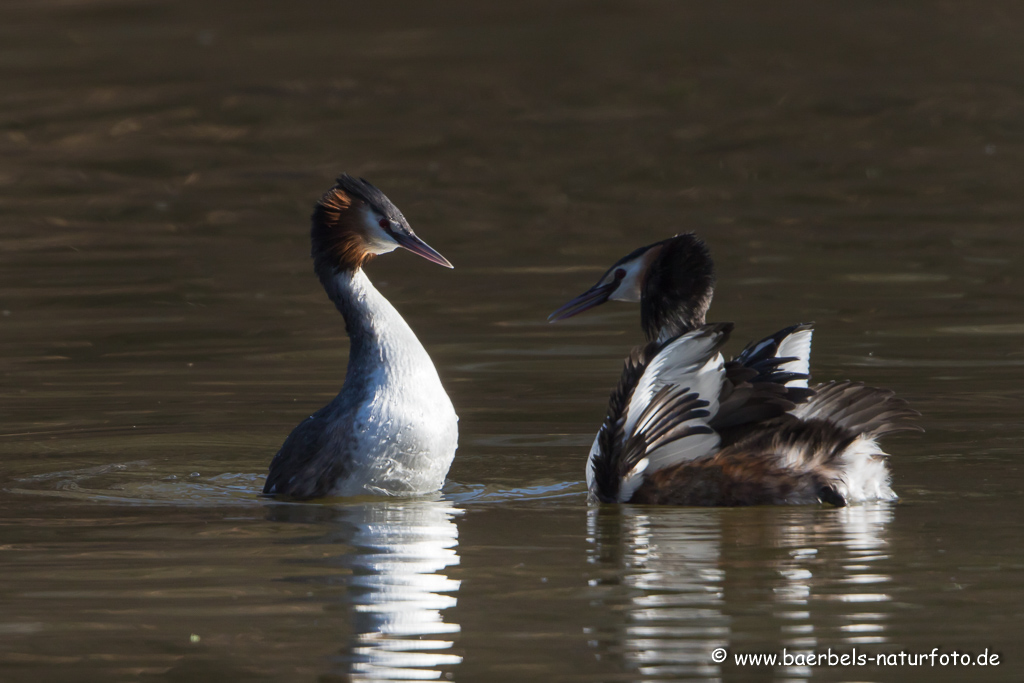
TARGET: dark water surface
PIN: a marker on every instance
(853, 164)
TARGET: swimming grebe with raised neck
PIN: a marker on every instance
(686, 427)
(392, 429)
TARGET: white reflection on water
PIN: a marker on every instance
(864, 527)
(815, 573)
(397, 591)
(795, 571)
(673, 588)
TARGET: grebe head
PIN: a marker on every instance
(673, 280)
(354, 221)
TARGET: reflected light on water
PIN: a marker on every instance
(398, 592)
(683, 587)
(674, 594)
(859, 532)
(864, 528)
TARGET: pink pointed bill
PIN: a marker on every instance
(420, 248)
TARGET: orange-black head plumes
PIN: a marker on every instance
(354, 221)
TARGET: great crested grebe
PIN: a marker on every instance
(392, 429)
(686, 427)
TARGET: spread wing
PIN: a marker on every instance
(768, 379)
(658, 414)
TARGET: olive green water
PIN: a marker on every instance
(858, 165)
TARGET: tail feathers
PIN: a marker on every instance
(863, 414)
(816, 461)
(864, 475)
(859, 409)
(823, 450)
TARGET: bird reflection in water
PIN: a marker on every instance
(398, 593)
(396, 588)
(665, 567)
(688, 580)
(816, 581)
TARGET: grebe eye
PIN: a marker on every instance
(383, 222)
(620, 273)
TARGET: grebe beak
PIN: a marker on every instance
(408, 240)
(595, 296)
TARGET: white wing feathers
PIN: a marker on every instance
(684, 449)
(689, 361)
(691, 365)
(797, 346)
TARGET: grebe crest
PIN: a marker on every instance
(354, 222)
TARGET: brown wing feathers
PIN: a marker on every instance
(859, 409)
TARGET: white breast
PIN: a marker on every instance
(406, 432)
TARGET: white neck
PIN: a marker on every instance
(400, 429)
(379, 335)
